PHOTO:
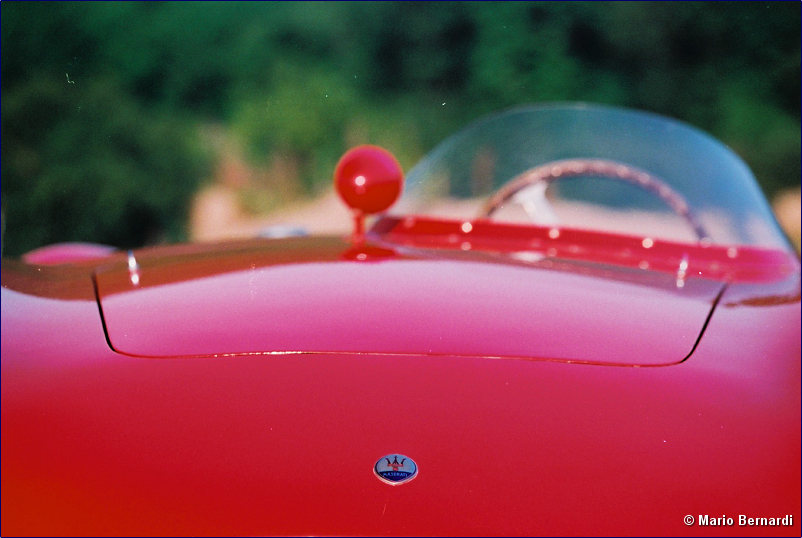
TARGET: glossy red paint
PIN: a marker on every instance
(336, 303)
(722, 262)
(545, 380)
(67, 253)
(368, 179)
(98, 442)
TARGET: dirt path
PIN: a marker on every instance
(219, 211)
(787, 208)
(217, 215)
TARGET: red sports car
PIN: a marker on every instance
(576, 320)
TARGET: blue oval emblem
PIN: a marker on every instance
(395, 469)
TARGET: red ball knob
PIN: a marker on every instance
(368, 179)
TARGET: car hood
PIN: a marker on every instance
(327, 295)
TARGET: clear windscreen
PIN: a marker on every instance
(597, 168)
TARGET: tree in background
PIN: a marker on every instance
(82, 158)
(103, 102)
(86, 162)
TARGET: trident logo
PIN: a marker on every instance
(394, 464)
(395, 469)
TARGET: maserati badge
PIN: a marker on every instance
(395, 469)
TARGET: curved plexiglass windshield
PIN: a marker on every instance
(597, 168)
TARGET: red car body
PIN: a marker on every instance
(544, 384)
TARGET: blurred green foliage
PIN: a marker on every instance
(103, 102)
